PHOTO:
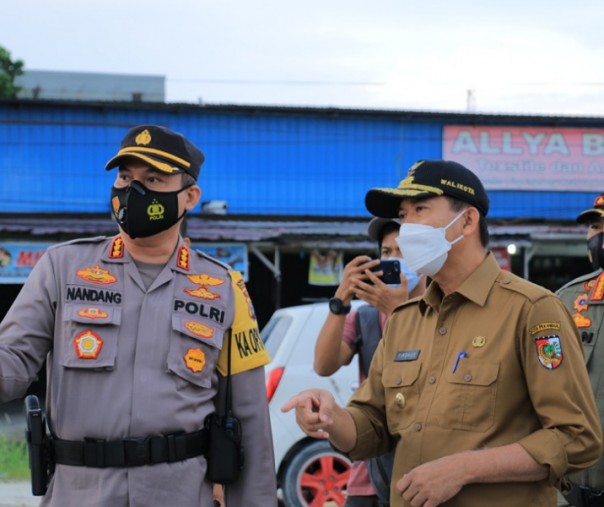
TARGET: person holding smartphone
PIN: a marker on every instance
(347, 332)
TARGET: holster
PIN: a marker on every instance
(38, 446)
(225, 453)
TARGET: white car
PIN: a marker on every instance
(309, 471)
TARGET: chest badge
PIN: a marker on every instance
(195, 359)
(96, 275)
(204, 281)
(88, 345)
(478, 341)
(93, 313)
(199, 329)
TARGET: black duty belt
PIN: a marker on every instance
(584, 496)
(129, 452)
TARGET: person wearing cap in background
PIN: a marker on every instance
(480, 383)
(136, 330)
(347, 332)
(584, 297)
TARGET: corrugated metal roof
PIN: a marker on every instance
(339, 233)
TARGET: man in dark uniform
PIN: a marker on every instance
(584, 297)
(139, 333)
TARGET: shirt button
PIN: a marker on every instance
(400, 399)
(398, 381)
(417, 427)
(431, 379)
(442, 330)
(467, 377)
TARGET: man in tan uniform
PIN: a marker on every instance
(480, 385)
(136, 329)
(584, 297)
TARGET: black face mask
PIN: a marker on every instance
(142, 212)
(595, 252)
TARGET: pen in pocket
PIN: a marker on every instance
(461, 355)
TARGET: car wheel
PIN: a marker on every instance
(317, 474)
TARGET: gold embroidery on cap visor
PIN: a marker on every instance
(140, 152)
(411, 190)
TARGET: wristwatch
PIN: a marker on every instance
(337, 307)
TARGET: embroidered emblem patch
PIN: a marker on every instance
(93, 313)
(549, 351)
(204, 281)
(478, 341)
(598, 292)
(195, 359)
(88, 345)
(116, 251)
(96, 275)
(183, 258)
(543, 326)
(199, 329)
(580, 304)
(581, 320)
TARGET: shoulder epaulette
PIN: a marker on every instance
(79, 241)
(211, 259)
(530, 290)
(580, 279)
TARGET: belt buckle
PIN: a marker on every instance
(136, 451)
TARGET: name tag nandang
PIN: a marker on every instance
(406, 355)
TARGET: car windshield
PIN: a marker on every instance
(274, 331)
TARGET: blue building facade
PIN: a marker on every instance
(260, 160)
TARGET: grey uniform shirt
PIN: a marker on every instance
(584, 297)
(129, 361)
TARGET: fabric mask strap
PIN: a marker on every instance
(456, 240)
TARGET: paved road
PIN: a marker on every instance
(17, 494)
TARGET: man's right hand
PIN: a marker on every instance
(314, 409)
(354, 272)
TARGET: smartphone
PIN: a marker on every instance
(391, 271)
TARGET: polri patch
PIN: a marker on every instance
(406, 355)
(549, 351)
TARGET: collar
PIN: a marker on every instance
(475, 288)
(179, 261)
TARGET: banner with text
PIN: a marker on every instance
(18, 259)
(529, 158)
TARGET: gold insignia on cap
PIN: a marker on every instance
(412, 169)
(143, 138)
(479, 341)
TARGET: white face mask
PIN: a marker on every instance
(425, 248)
(411, 276)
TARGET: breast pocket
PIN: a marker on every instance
(401, 386)
(194, 349)
(467, 397)
(90, 335)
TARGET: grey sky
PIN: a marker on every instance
(540, 56)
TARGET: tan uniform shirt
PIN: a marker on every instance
(499, 361)
(125, 360)
(584, 297)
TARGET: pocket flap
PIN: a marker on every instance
(401, 374)
(201, 331)
(478, 374)
(91, 314)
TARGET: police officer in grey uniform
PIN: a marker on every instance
(584, 297)
(139, 333)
